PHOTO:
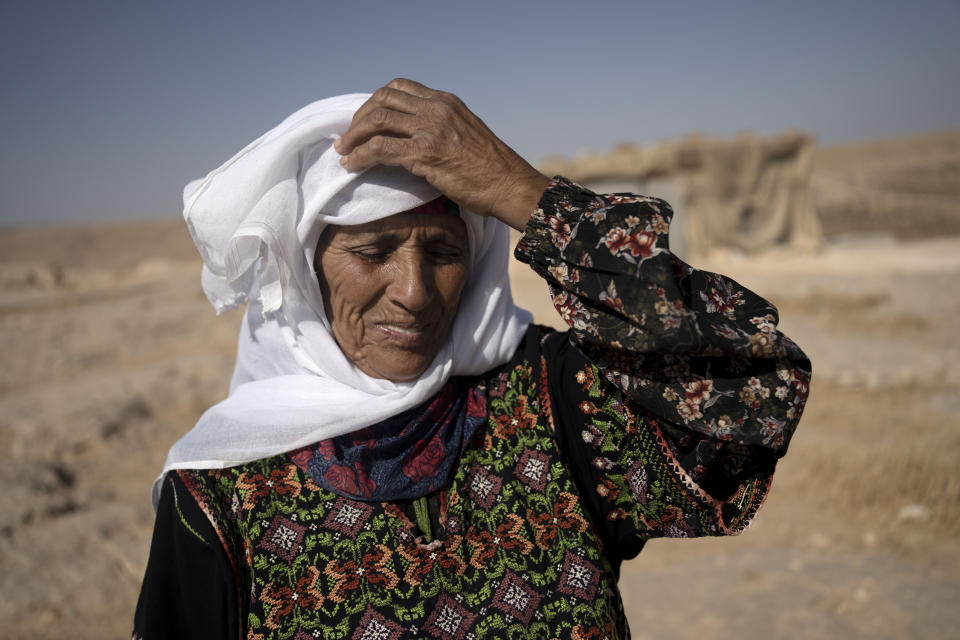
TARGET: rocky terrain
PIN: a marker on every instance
(111, 352)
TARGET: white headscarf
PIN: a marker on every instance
(256, 221)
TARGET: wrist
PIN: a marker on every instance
(516, 208)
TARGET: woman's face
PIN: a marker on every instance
(391, 289)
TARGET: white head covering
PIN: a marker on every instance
(256, 221)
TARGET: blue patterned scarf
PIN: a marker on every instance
(407, 456)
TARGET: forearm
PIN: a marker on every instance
(519, 197)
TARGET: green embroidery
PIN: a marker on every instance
(183, 520)
(423, 517)
(515, 555)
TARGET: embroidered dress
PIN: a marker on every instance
(660, 413)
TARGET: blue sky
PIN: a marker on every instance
(108, 108)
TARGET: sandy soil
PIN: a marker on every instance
(111, 353)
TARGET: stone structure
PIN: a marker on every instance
(745, 192)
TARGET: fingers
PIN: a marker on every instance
(421, 91)
(410, 86)
(379, 149)
(393, 98)
(376, 121)
(385, 110)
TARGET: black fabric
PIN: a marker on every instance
(563, 360)
(188, 588)
(729, 464)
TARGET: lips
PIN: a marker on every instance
(410, 334)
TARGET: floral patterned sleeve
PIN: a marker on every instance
(692, 355)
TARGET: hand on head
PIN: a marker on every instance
(434, 135)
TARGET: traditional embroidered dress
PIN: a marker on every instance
(660, 413)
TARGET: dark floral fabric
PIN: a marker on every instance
(406, 456)
(661, 413)
(692, 347)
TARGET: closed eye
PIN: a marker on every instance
(445, 250)
(372, 255)
(446, 256)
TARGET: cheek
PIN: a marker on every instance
(451, 282)
(347, 292)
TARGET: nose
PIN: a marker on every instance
(412, 285)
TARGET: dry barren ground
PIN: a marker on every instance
(111, 352)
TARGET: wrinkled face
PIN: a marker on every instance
(391, 289)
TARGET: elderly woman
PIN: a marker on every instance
(402, 454)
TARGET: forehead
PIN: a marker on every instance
(405, 224)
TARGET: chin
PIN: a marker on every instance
(394, 373)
